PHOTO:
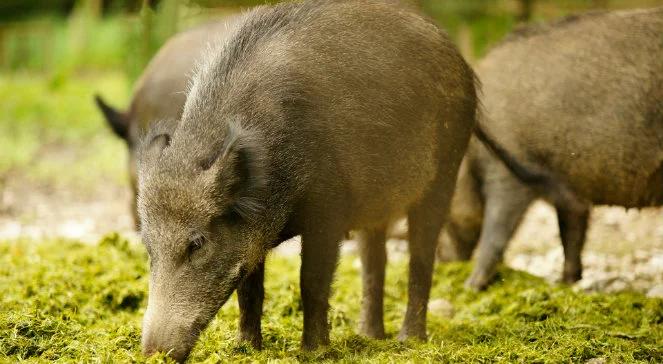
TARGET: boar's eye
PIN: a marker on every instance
(195, 242)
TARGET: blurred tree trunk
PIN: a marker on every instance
(524, 10)
(600, 4)
(83, 18)
(3, 47)
(167, 20)
(157, 22)
(147, 29)
(95, 7)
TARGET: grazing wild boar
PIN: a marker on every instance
(581, 101)
(315, 118)
(161, 90)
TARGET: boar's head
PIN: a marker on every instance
(200, 206)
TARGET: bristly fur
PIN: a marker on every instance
(529, 30)
(320, 116)
(221, 59)
(578, 101)
(245, 145)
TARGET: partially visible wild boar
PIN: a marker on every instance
(315, 118)
(580, 100)
(161, 90)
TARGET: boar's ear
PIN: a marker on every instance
(238, 170)
(118, 121)
(154, 142)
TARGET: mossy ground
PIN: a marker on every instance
(73, 302)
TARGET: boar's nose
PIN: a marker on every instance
(150, 347)
(164, 337)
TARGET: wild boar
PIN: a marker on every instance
(580, 100)
(314, 118)
(160, 92)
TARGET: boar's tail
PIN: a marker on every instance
(118, 120)
(532, 175)
(528, 175)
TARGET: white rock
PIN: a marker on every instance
(618, 285)
(441, 307)
(656, 291)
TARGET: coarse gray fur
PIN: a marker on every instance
(315, 118)
(581, 99)
(160, 91)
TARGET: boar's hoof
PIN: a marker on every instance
(312, 344)
(412, 334)
(372, 332)
(254, 340)
(478, 281)
(571, 276)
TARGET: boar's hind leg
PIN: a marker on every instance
(425, 220)
(506, 203)
(572, 229)
(319, 257)
(373, 260)
(251, 294)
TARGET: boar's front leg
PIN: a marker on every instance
(251, 293)
(572, 229)
(373, 261)
(320, 250)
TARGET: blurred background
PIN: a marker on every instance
(63, 173)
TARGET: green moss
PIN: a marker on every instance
(72, 302)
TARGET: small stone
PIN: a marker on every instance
(441, 307)
(656, 291)
(596, 361)
(618, 285)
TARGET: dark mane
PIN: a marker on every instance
(530, 30)
(260, 24)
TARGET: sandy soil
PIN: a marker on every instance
(624, 248)
(40, 212)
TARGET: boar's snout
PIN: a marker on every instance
(167, 334)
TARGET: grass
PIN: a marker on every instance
(50, 126)
(73, 302)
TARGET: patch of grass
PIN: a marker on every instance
(71, 302)
(52, 132)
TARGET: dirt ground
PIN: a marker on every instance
(624, 249)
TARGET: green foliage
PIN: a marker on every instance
(51, 126)
(72, 302)
(84, 42)
(485, 22)
(55, 45)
